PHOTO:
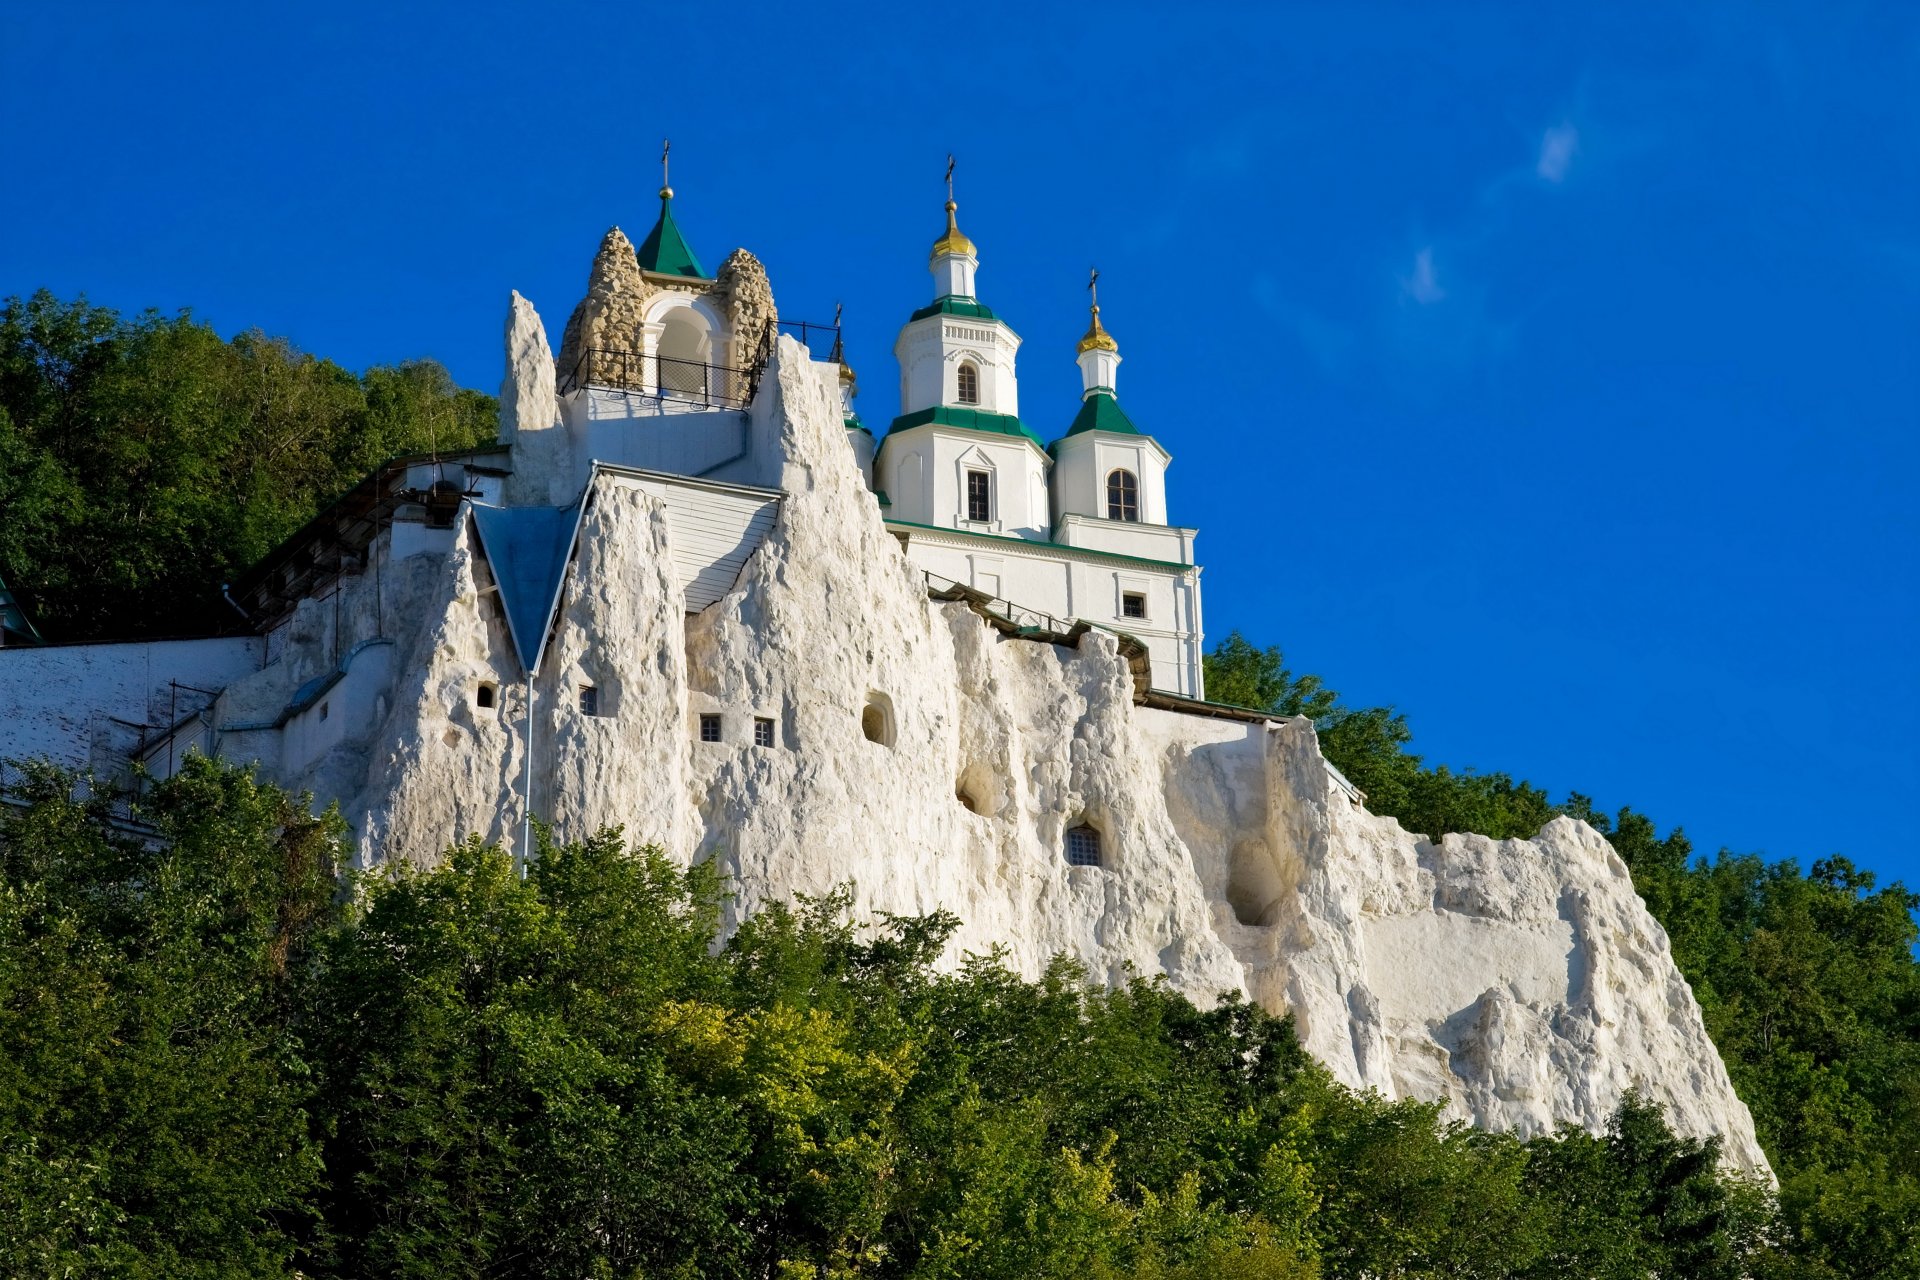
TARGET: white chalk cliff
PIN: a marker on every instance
(1521, 981)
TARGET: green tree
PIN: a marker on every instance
(153, 1098)
(145, 461)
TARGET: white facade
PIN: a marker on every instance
(936, 353)
(1083, 464)
(938, 475)
(977, 500)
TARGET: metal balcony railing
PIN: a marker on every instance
(692, 381)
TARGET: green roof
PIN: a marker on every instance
(1004, 424)
(953, 305)
(665, 249)
(1101, 412)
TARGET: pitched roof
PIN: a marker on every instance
(1101, 412)
(528, 549)
(665, 249)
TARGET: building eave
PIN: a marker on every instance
(907, 530)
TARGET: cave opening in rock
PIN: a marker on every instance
(876, 719)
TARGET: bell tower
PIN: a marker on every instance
(958, 455)
(1105, 468)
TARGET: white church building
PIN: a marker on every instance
(1074, 529)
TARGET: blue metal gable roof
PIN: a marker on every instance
(528, 548)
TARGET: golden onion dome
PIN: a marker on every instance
(1097, 339)
(846, 374)
(954, 241)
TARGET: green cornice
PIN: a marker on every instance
(1000, 424)
(665, 249)
(1068, 549)
(953, 305)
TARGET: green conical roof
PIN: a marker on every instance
(665, 249)
(1101, 412)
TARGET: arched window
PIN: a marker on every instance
(1083, 846)
(1123, 495)
(969, 384)
(483, 696)
(685, 352)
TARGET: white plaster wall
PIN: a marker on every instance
(632, 430)
(1083, 462)
(944, 455)
(60, 702)
(930, 352)
(1038, 577)
(1172, 544)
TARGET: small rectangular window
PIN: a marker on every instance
(323, 711)
(1133, 604)
(762, 731)
(589, 700)
(1083, 847)
(979, 495)
(709, 728)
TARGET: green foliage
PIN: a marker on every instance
(219, 1057)
(1807, 980)
(1811, 993)
(145, 461)
(1368, 745)
(152, 1095)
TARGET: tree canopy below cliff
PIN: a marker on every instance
(145, 461)
(1806, 978)
(219, 1058)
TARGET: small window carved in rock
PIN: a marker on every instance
(325, 710)
(589, 700)
(484, 695)
(762, 731)
(1083, 846)
(876, 719)
(710, 728)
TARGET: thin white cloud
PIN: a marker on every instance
(1558, 146)
(1423, 286)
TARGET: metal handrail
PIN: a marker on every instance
(815, 336)
(665, 377)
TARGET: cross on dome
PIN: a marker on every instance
(1097, 338)
(954, 241)
(665, 250)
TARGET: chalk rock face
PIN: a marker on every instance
(610, 317)
(872, 736)
(830, 634)
(530, 413)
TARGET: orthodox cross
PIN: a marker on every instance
(666, 145)
(1093, 287)
(949, 177)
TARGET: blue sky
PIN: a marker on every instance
(1548, 372)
